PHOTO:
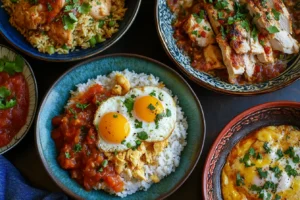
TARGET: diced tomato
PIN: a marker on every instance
(221, 21)
(267, 49)
(203, 34)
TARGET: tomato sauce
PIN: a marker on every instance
(76, 140)
(13, 119)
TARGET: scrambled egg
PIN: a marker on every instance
(264, 165)
(132, 162)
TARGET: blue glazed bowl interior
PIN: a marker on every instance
(18, 40)
(165, 17)
(58, 95)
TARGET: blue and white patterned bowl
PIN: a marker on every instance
(164, 18)
(58, 95)
(16, 39)
(33, 98)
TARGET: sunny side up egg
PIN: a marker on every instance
(143, 114)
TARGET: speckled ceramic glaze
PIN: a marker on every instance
(164, 18)
(17, 40)
(268, 114)
(58, 95)
(33, 98)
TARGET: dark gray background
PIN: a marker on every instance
(142, 39)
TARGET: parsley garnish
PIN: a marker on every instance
(153, 93)
(72, 111)
(279, 153)
(221, 4)
(168, 113)
(142, 135)
(259, 156)
(123, 142)
(223, 32)
(11, 67)
(104, 163)
(115, 116)
(277, 197)
(49, 7)
(245, 25)
(254, 33)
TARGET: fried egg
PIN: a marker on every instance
(143, 114)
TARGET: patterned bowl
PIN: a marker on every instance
(273, 113)
(33, 98)
(164, 18)
(58, 95)
(16, 39)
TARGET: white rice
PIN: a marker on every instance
(169, 158)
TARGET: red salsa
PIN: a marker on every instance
(76, 140)
(14, 105)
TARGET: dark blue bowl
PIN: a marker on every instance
(17, 40)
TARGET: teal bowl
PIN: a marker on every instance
(55, 100)
(164, 19)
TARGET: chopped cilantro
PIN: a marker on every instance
(142, 135)
(220, 15)
(254, 33)
(82, 106)
(138, 124)
(270, 185)
(84, 8)
(69, 21)
(251, 151)
(4, 102)
(100, 169)
(115, 116)
(279, 153)
(261, 173)
(273, 29)
(128, 145)
(153, 93)
(123, 142)
(230, 20)
(67, 155)
(49, 7)
(101, 23)
(290, 171)
(277, 197)
(221, 4)
(296, 159)
(77, 148)
(223, 32)
(245, 25)
(104, 163)
(151, 107)
(259, 156)
(168, 113)
(276, 14)
(266, 147)
(11, 67)
(129, 102)
(72, 111)
(276, 171)
(239, 180)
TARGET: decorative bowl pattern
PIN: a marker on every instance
(58, 95)
(274, 113)
(33, 98)
(164, 18)
(16, 39)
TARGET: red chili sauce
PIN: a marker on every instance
(13, 119)
(76, 140)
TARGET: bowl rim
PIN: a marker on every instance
(112, 41)
(35, 96)
(203, 130)
(206, 85)
(293, 104)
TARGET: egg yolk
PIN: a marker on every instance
(113, 127)
(146, 108)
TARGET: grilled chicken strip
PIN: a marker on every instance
(266, 22)
(234, 62)
(199, 30)
(239, 37)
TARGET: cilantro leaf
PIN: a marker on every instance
(138, 124)
(273, 29)
(276, 14)
(84, 8)
(261, 173)
(239, 180)
(142, 135)
(82, 106)
(129, 102)
(4, 92)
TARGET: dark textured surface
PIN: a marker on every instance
(142, 39)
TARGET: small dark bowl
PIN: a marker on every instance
(16, 39)
(273, 113)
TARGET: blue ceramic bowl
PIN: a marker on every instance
(55, 100)
(16, 39)
(164, 18)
